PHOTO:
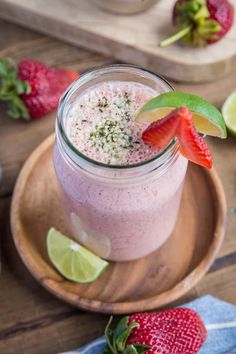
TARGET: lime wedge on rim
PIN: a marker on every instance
(207, 118)
(72, 260)
(229, 113)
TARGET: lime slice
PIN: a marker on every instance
(72, 260)
(229, 113)
(207, 119)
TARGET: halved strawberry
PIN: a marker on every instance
(160, 133)
(192, 145)
(179, 123)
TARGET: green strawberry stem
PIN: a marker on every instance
(11, 88)
(193, 24)
(117, 339)
(176, 37)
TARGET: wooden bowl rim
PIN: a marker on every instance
(124, 307)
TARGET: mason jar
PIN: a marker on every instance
(121, 213)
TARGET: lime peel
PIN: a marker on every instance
(207, 118)
(72, 260)
(229, 113)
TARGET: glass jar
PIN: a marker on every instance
(121, 213)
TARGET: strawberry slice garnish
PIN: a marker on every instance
(192, 145)
(173, 331)
(162, 131)
(179, 123)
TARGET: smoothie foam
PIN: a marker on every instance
(101, 123)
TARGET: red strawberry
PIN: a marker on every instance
(32, 89)
(179, 123)
(192, 145)
(160, 133)
(201, 22)
(174, 331)
(222, 12)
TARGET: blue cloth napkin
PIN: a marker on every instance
(215, 313)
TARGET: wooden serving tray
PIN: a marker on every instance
(142, 285)
(132, 39)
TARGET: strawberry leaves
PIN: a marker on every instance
(116, 339)
(32, 89)
(11, 88)
(193, 24)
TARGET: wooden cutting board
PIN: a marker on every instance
(132, 39)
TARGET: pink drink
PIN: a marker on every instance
(101, 124)
(120, 198)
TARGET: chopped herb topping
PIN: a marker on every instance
(127, 116)
(127, 99)
(103, 102)
(102, 124)
(113, 136)
(117, 105)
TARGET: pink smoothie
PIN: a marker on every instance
(102, 126)
(118, 218)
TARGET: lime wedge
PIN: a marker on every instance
(207, 118)
(229, 113)
(72, 260)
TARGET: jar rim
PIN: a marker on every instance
(86, 77)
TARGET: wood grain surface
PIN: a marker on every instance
(32, 320)
(133, 39)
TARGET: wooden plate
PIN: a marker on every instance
(141, 285)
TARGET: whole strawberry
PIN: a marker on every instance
(200, 22)
(32, 89)
(174, 331)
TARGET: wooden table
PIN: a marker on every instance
(31, 319)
